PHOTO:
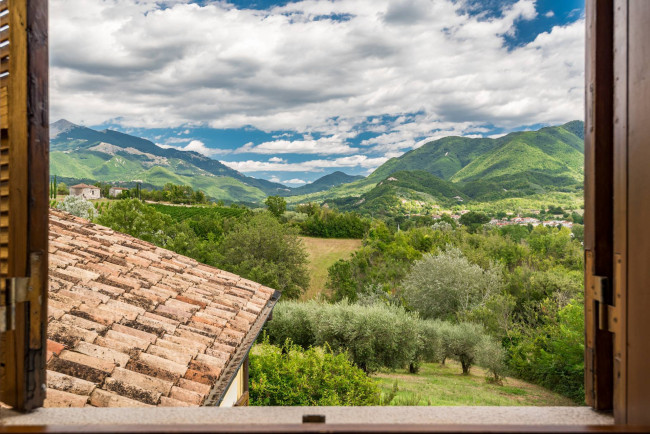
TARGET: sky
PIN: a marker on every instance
(293, 90)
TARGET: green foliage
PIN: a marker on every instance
(463, 342)
(133, 217)
(379, 335)
(262, 249)
(492, 357)
(62, 189)
(341, 282)
(276, 205)
(553, 354)
(327, 223)
(292, 376)
(182, 213)
(473, 220)
(538, 271)
(180, 194)
(374, 336)
(447, 286)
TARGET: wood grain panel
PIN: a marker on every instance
(598, 198)
(638, 212)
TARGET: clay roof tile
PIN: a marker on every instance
(132, 324)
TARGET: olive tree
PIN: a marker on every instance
(463, 343)
(446, 285)
(78, 206)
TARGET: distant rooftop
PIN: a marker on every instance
(83, 186)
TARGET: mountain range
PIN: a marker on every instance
(80, 153)
(444, 171)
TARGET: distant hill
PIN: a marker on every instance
(406, 189)
(551, 156)
(324, 183)
(516, 165)
(78, 152)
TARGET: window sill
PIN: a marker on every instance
(531, 416)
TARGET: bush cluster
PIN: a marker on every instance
(380, 336)
(327, 223)
(291, 376)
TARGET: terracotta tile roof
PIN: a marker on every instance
(83, 186)
(132, 324)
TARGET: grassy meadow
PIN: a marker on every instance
(323, 252)
(437, 384)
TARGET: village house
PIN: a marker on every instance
(86, 191)
(116, 191)
(132, 324)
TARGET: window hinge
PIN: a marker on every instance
(607, 311)
(20, 290)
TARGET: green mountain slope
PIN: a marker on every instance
(518, 164)
(324, 183)
(404, 191)
(82, 153)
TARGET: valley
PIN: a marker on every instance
(518, 171)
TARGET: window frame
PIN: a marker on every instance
(606, 217)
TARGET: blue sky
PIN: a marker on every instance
(292, 91)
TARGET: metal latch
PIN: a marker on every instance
(19, 290)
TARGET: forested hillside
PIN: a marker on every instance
(519, 164)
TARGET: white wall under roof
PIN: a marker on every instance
(235, 391)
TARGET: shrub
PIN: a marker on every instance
(77, 205)
(292, 376)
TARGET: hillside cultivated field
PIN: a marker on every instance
(436, 384)
(323, 252)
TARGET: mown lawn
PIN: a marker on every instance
(445, 385)
(323, 252)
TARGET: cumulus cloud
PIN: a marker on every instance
(294, 181)
(356, 161)
(171, 63)
(193, 145)
(323, 146)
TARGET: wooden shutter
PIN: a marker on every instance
(24, 175)
(598, 203)
(617, 209)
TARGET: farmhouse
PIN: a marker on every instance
(132, 324)
(116, 191)
(86, 191)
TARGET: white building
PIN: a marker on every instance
(86, 191)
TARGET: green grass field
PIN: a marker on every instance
(445, 385)
(323, 252)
